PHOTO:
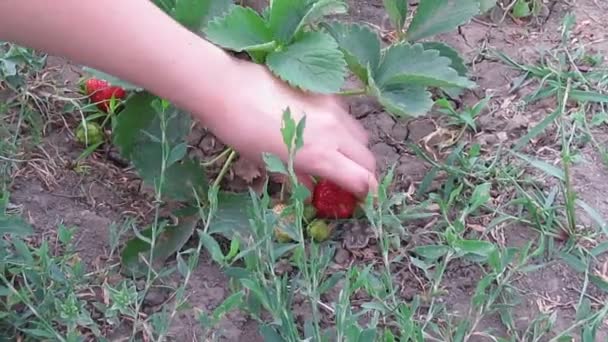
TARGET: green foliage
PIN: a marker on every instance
(194, 14)
(15, 61)
(242, 29)
(397, 12)
(438, 16)
(401, 87)
(12, 224)
(169, 240)
(281, 37)
(312, 62)
(360, 45)
(48, 306)
(153, 138)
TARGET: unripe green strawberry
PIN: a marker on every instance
(319, 230)
(91, 136)
(310, 212)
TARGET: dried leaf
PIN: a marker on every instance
(247, 170)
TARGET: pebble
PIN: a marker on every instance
(342, 256)
(155, 296)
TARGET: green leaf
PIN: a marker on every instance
(480, 196)
(285, 17)
(438, 16)
(397, 12)
(538, 129)
(138, 135)
(212, 247)
(411, 64)
(269, 334)
(449, 52)
(588, 96)
(288, 129)
(599, 282)
(542, 166)
(402, 99)
(232, 302)
(574, 262)
(190, 13)
(477, 247)
(313, 63)
(288, 17)
(137, 115)
(177, 153)
(241, 29)
(521, 9)
(359, 44)
(368, 335)
(14, 225)
(274, 163)
(232, 215)
(321, 9)
(432, 252)
(171, 240)
(181, 180)
(486, 5)
(594, 215)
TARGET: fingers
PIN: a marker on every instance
(340, 169)
(353, 126)
(360, 154)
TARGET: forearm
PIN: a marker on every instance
(133, 40)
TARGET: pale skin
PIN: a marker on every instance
(240, 102)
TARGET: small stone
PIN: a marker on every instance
(342, 256)
(385, 122)
(400, 131)
(362, 106)
(155, 296)
(420, 128)
(502, 136)
(385, 154)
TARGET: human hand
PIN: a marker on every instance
(248, 117)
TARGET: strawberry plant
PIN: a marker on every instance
(299, 44)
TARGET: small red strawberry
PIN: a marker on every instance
(333, 202)
(101, 92)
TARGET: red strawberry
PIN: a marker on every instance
(333, 202)
(101, 92)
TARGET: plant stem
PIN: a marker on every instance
(218, 157)
(224, 168)
(353, 92)
(566, 160)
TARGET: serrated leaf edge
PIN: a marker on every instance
(438, 55)
(375, 91)
(361, 27)
(343, 68)
(217, 21)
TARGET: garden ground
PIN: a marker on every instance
(100, 196)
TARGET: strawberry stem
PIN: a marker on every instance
(353, 92)
(224, 169)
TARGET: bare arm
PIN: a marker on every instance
(241, 102)
(131, 39)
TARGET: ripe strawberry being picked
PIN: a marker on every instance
(101, 92)
(333, 202)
